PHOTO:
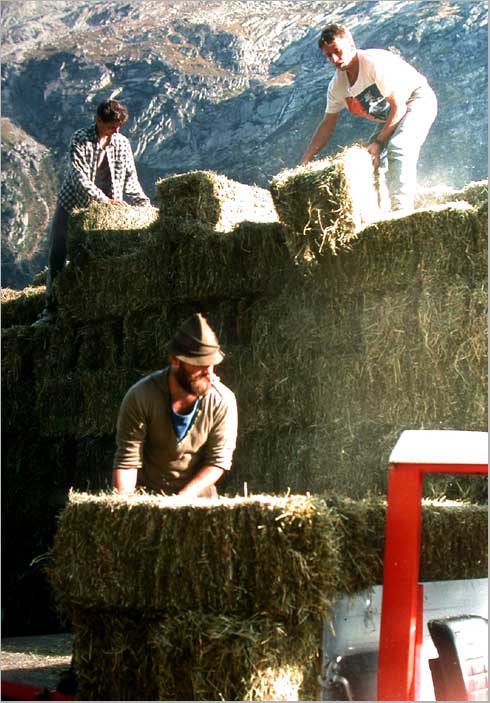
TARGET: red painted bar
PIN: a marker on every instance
(417, 452)
(400, 581)
(23, 692)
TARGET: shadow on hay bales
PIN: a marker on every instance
(329, 359)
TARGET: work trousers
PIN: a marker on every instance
(398, 160)
(57, 251)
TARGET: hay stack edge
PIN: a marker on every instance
(224, 599)
(341, 330)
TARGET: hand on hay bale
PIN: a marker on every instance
(177, 428)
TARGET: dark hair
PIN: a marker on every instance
(112, 111)
(331, 32)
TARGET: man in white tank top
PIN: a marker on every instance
(380, 86)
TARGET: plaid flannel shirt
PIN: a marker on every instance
(78, 188)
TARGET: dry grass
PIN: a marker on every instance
(214, 199)
(324, 204)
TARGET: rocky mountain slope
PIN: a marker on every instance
(233, 86)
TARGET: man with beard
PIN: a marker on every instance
(177, 427)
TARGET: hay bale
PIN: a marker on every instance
(81, 404)
(21, 307)
(324, 204)
(284, 557)
(405, 310)
(21, 348)
(213, 199)
(105, 230)
(180, 262)
(193, 656)
(475, 193)
(272, 555)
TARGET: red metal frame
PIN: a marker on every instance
(402, 603)
(11, 690)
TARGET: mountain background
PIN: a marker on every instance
(235, 87)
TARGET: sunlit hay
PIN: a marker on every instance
(105, 230)
(214, 199)
(281, 556)
(268, 554)
(475, 193)
(192, 656)
(454, 543)
(324, 204)
(82, 403)
(404, 248)
(405, 309)
(21, 307)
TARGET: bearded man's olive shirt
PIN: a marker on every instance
(146, 439)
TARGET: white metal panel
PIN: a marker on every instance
(440, 447)
(355, 620)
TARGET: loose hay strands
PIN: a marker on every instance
(106, 230)
(324, 204)
(214, 199)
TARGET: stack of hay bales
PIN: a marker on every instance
(224, 599)
(390, 334)
(329, 362)
(133, 276)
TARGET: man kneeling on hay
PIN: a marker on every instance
(380, 86)
(177, 427)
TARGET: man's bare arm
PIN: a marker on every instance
(321, 137)
(124, 480)
(205, 478)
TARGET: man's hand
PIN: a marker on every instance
(206, 477)
(118, 202)
(375, 150)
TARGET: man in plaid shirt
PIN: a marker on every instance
(101, 167)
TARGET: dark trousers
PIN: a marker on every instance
(57, 251)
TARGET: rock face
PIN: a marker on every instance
(235, 87)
